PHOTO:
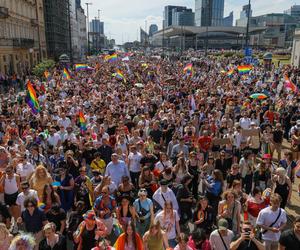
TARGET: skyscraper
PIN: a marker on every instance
(168, 14)
(209, 12)
(242, 21)
(184, 17)
(228, 21)
(152, 29)
(294, 11)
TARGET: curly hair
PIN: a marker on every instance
(28, 239)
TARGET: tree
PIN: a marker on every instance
(40, 68)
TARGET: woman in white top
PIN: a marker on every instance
(11, 185)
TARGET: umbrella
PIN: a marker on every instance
(139, 85)
(258, 96)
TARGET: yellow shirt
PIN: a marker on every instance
(98, 165)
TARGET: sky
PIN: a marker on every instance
(123, 18)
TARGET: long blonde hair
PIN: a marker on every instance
(35, 177)
(4, 230)
(165, 211)
(156, 224)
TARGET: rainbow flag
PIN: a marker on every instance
(66, 74)
(119, 75)
(31, 99)
(244, 69)
(111, 58)
(230, 72)
(188, 69)
(79, 67)
(82, 122)
(289, 85)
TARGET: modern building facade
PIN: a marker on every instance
(22, 35)
(152, 29)
(57, 27)
(228, 21)
(96, 35)
(184, 17)
(168, 14)
(279, 31)
(209, 12)
(294, 11)
(242, 21)
(296, 49)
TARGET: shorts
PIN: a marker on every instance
(10, 199)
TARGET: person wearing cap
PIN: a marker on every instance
(53, 240)
(145, 212)
(221, 238)
(162, 195)
(116, 169)
(89, 231)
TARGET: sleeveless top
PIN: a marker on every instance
(88, 238)
(10, 185)
(154, 244)
(282, 189)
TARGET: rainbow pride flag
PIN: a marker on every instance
(79, 67)
(66, 74)
(31, 99)
(244, 69)
(230, 72)
(289, 85)
(82, 122)
(111, 58)
(188, 69)
(119, 75)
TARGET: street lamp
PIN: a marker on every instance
(248, 20)
(88, 25)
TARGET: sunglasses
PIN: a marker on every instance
(30, 206)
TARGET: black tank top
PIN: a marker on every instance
(88, 239)
(128, 215)
(282, 189)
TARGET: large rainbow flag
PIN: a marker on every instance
(31, 99)
(111, 58)
(188, 69)
(244, 69)
(119, 75)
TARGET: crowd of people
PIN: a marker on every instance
(167, 158)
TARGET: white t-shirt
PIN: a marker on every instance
(64, 122)
(53, 140)
(168, 223)
(266, 217)
(21, 198)
(24, 169)
(161, 166)
(134, 164)
(216, 241)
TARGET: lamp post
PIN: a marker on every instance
(248, 21)
(88, 26)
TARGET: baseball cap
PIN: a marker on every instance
(222, 224)
(163, 182)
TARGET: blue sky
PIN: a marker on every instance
(124, 17)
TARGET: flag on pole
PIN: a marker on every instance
(66, 74)
(289, 85)
(82, 122)
(31, 99)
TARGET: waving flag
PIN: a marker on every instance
(244, 69)
(188, 69)
(79, 67)
(289, 85)
(31, 99)
(82, 122)
(119, 75)
(66, 74)
(230, 72)
(111, 58)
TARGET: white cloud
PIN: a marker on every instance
(123, 18)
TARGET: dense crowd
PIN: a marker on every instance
(168, 158)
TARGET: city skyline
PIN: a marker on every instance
(123, 23)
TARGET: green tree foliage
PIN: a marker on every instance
(40, 68)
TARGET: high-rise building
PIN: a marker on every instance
(168, 14)
(294, 11)
(184, 17)
(96, 34)
(152, 29)
(22, 36)
(97, 26)
(209, 12)
(57, 27)
(242, 21)
(228, 21)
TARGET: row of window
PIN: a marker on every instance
(14, 30)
